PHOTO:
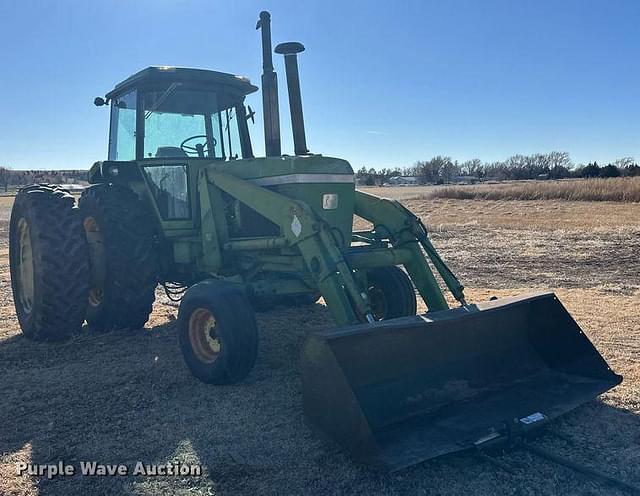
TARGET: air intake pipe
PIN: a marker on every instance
(290, 51)
(269, 91)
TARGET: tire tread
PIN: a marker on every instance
(132, 264)
(61, 262)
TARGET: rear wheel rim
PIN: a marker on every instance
(95, 296)
(96, 254)
(25, 266)
(203, 337)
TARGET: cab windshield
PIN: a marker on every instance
(189, 123)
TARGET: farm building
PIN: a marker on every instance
(403, 181)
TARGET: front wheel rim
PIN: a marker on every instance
(203, 337)
(378, 302)
(25, 266)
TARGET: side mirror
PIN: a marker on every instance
(99, 101)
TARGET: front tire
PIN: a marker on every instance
(391, 293)
(119, 228)
(49, 263)
(217, 332)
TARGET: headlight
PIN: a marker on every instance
(329, 201)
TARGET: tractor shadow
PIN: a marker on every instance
(125, 397)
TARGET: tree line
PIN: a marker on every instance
(12, 178)
(553, 165)
(437, 170)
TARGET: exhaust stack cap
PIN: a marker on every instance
(290, 50)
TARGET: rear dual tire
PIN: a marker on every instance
(49, 263)
(124, 264)
(96, 261)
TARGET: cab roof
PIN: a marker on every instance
(154, 76)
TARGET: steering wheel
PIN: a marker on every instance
(199, 148)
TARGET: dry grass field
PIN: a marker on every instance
(621, 189)
(126, 396)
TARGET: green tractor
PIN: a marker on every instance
(183, 202)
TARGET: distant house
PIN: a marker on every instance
(542, 176)
(403, 181)
(465, 179)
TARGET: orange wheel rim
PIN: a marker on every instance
(203, 337)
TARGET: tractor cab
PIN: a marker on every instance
(170, 113)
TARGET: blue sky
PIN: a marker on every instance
(384, 83)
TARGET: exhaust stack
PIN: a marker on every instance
(290, 51)
(269, 90)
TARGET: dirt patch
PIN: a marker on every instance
(6, 201)
(124, 397)
(538, 259)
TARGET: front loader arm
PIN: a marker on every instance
(405, 229)
(302, 228)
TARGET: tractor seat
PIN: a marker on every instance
(170, 152)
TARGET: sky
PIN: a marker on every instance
(384, 83)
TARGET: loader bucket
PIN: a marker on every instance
(395, 393)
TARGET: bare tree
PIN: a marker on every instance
(559, 164)
(624, 162)
(517, 166)
(472, 167)
(449, 169)
(436, 166)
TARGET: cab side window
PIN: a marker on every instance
(169, 186)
